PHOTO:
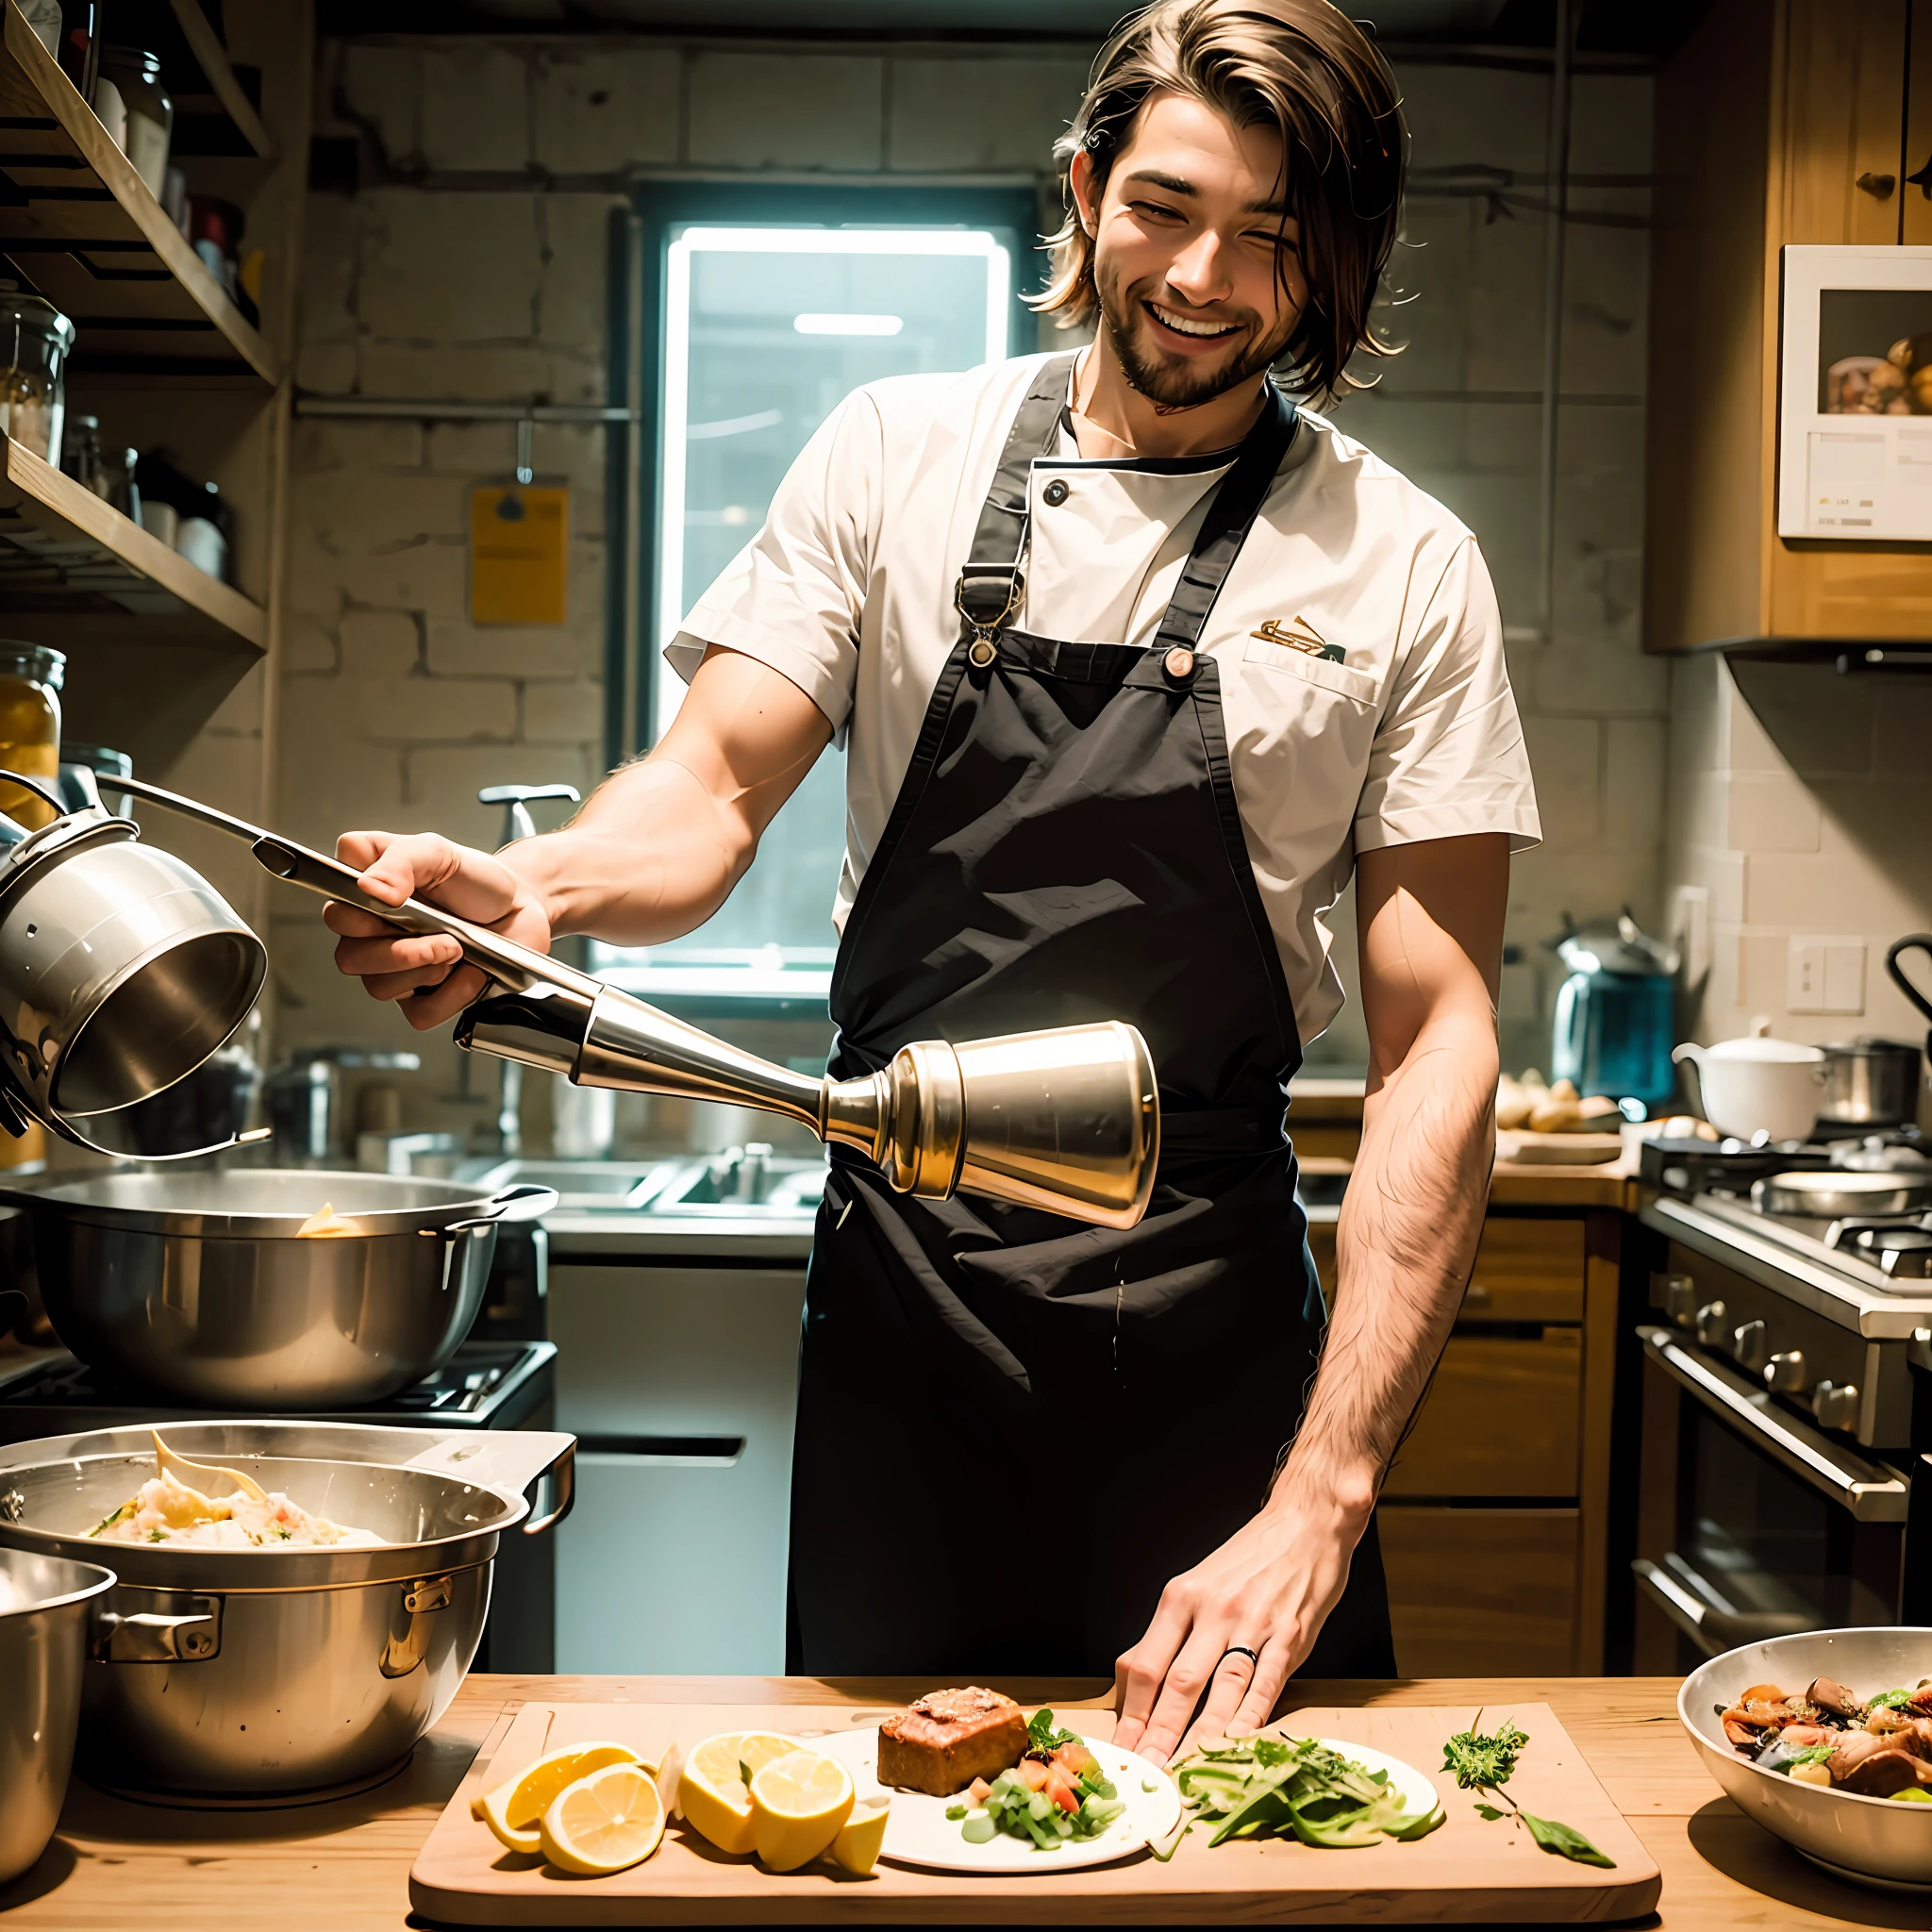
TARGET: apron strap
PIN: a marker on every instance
(1225, 527)
(990, 585)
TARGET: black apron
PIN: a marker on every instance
(1013, 1428)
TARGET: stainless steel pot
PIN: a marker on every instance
(200, 1285)
(1871, 1082)
(276, 1676)
(46, 1607)
(1833, 1194)
(121, 968)
(1873, 1840)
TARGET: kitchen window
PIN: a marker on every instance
(773, 305)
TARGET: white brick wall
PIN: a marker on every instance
(478, 271)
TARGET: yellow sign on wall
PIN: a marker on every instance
(519, 554)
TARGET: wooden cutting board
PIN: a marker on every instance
(1469, 1870)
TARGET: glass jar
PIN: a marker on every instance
(82, 457)
(35, 339)
(134, 108)
(30, 680)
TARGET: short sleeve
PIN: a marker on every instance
(1448, 757)
(792, 597)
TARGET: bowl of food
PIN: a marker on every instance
(1826, 1739)
(294, 1604)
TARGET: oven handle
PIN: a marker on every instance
(1872, 1491)
(1712, 1630)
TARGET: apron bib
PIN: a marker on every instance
(1014, 1428)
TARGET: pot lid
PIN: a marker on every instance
(1760, 1046)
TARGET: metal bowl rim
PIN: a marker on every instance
(1724, 1745)
(108, 1580)
(40, 1192)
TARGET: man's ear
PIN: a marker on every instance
(1085, 189)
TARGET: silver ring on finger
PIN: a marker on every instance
(1254, 1656)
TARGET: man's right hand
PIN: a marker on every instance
(423, 974)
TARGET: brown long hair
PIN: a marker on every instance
(1303, 69)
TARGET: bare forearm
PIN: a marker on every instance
(1406, 1238)
(651, 856)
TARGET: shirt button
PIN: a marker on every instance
(1179, 664)
(1055, 494)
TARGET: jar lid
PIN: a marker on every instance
(35, 662)
(146, 64)
(17, 306)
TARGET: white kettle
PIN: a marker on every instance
(1759, 1085)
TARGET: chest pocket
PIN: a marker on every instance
(1263, 660)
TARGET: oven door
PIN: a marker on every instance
(1751, 1524)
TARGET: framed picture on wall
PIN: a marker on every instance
(1854, 394)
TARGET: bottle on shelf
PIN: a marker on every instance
(35, 339)
(30, 680)
(134, 108)
(81, 456)
(67, 28)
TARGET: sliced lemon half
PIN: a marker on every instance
(713, 1792)
(512, 1808)
(863, 1835)
(798, 1803)
(603, 1823)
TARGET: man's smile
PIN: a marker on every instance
(1192, 328)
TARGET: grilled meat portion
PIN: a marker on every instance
(943, 1741)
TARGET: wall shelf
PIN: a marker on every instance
(79, 224)
(82, 572)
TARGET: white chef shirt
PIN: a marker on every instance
(847, 590)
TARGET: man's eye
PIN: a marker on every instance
(1157, 209)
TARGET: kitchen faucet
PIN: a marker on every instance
(517, 823)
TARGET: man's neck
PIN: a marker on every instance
(1112, 419)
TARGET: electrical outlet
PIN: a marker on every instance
(1826, 975)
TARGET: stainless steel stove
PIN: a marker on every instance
(1787, 1392)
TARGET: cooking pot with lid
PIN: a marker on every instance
(204, 1285)
(48, 1607)
(258, 1676)
(1757, 1085)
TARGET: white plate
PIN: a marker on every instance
(920, 1833)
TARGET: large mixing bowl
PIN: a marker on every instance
(1875, 1841)
(46, 1608)
(201, 1287)
(264, 1676)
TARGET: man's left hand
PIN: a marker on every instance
(1269, 1588)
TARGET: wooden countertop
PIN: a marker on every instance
(344, 1867)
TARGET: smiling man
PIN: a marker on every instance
(1135, 660)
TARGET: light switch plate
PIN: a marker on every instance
(1826, 975)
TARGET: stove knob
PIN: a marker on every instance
(1906, 1264)
(1750, 1346)
(1836, 1405)
(1784, 1374)
(1680, 1301)
(1712, 1329)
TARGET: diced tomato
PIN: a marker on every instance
(1061, 1793)
(1074, 1757)
(978, 1791)
(1033, 1774)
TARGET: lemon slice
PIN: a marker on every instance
(512, 1808)
(798, 1803)
(603, 1823)
(856, 1847)
(712, 1794)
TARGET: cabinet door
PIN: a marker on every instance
(1844, 100)
(1500, 1419)
(1915, 206)
(1479, 1592)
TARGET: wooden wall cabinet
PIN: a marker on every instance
(1778, 121)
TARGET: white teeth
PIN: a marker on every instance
(1181, 325)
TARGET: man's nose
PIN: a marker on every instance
(1200, 271)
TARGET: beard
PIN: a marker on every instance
(1174, 382)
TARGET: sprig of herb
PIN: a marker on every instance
(1485, 1763)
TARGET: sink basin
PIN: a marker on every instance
(749, 1179)
(581, 1183)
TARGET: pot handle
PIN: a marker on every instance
(1690, 1051)
(1912, 943)
(150, 1638)
(525, 1203)
(510, 1460)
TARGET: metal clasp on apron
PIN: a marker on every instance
(974, 599)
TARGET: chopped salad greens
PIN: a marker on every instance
(1056, 1793)
(1264, 1787)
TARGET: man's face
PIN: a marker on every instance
(1196, 261)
